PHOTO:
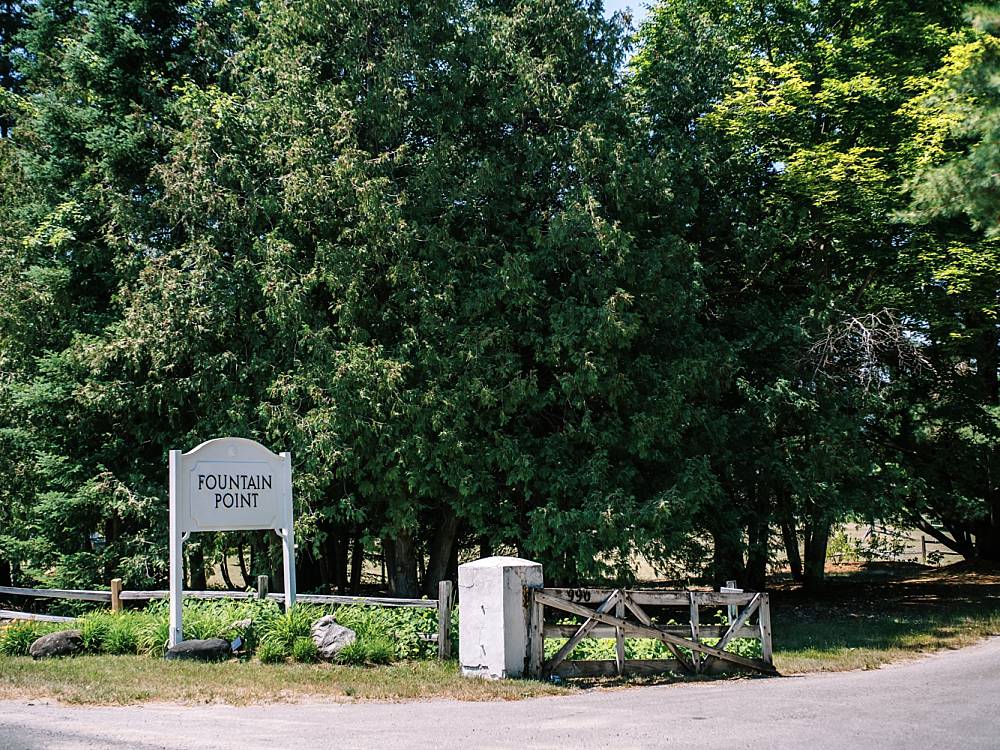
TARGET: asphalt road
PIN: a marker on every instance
(947, 700)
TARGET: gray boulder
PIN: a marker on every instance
(330, 637)
(212, 649)
(63, 643)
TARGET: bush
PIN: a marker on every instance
(304, 650)
(94, 628)
(270, 652)
(370, 650)
(281, 631)
(17, 637)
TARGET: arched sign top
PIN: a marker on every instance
(234, 448)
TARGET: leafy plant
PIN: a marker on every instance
(304, 650)
(270, 652)
(17, 637)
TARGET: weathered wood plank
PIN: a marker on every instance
(764, 618)
(536, 638)
(652, 632)
(740, 622)
(608, 632)
(645, 619)
(116, 594)
(653, 598)
(371, 601)
(620, 635)
(83, 595)
(606, 606)
(147, 595)
(374, 601)
(444, 603)
(695, 631)
(10, 614)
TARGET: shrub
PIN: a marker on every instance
(280, 631)
(94, 628)
(370, 650)
(271, 653)
(123, 636)
(17, 637)
(304, 650)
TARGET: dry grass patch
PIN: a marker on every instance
(120, 680)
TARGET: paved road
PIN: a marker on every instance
(948, 700)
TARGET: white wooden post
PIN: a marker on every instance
(176, 559)
(288, 539)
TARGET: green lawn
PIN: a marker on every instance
(860, 622)
(137, 679)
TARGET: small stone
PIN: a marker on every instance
(63, 643)
(243, 625)
(330, 637)
(212, 649)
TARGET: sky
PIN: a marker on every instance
(638, 8)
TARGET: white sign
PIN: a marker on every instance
(228, 484)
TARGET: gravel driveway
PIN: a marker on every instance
(946, 700)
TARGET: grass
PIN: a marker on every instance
(862, 621)
(120, 680)
(880, 615)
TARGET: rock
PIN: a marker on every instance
(63, 643)
(330, 637)
(212, 649)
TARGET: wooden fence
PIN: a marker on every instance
(621, 614)
(444, 604)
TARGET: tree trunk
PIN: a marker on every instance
(791, 541)
(224, 569)
(6, 573)
(758, 538)
(357, 563)
(244, 567)
(403, 566)
(341, 559)
(727, 556)
(485, 547)
(440, 552)
(817, 536)
(199, 582)
(988, 540)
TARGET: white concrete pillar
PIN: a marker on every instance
(493, 615)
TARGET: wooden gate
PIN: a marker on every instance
(621, 614)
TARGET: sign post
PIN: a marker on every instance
(228, 484)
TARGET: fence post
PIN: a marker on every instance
(732, 612)
(116, 594)
(764, 617)
(261, 587)
(695, 632)
(445, 589)
(536, 636)
(923, 549)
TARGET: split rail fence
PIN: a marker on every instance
(444, 604)
(621, 614)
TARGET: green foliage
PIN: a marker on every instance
(272, 652)
(370, 651)
(400, 627)
(490, 282)
(304, 650)
(281, 631)
(16, 637)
